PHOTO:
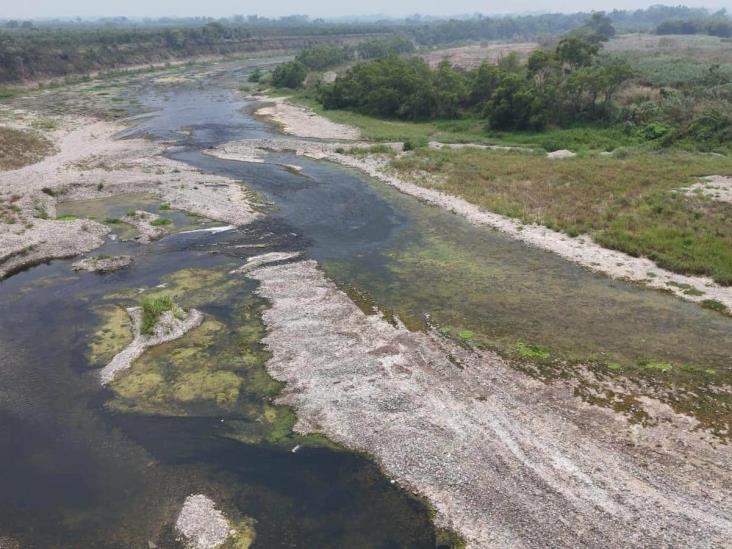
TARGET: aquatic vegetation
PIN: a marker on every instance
(164, 206)
(67, 217)
(714, 305)
(216, 369)
(656, 365)
(113, 335)
(160, 222)
(532, 352)
(244, 534)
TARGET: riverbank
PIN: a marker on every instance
(580, 249)
(504, 459)
(90, 161)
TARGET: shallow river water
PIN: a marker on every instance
(83, 468)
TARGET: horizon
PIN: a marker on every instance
(321, 9)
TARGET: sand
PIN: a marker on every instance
(302, 122)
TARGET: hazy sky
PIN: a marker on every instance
(315, 8)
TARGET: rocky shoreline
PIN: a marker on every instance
(91, 162)
(505, 460)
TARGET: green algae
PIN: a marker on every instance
(244, 534)
(527, 351)
(113, 335)
(215, 370)
(549, 318)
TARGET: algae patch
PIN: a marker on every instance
(217, 369)
(114, 334)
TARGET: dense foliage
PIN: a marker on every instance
(289, 75)
(560, 87)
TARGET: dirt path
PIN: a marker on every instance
(505, 460)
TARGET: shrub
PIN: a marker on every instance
(289, 75)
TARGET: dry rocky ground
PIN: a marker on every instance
(89, 162)
(471, 57)
(506, 460)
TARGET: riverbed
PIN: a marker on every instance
(93, 467)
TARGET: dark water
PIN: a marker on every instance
(74, 475)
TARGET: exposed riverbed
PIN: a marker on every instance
(85, 467)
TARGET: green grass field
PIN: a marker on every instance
(626, 203)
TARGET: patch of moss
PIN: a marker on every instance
(656, 365)
(528, 351)
(161, 221)
(67, 217)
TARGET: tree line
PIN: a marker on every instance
(319, 58)
(561, 87)
(713, 26)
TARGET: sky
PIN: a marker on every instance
(316, 8)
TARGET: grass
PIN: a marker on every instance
(161, 221)
(625, 203)
(67, 217)
(19, 148)
(112, 220)
(152, 309)
(164, 207)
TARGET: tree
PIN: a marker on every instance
(600, 27)
(575, 52)
(515, 105)
(450, 91)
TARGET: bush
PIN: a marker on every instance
(289, 75)
(415, 143)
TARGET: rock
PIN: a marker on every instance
(102, 264)
(561, 153)
(201, 525)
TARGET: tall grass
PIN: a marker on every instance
(152, 309)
